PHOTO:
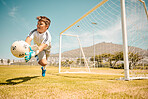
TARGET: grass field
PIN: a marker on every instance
(21, 82)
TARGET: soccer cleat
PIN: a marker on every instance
(43, 72)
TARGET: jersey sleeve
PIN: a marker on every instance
(47, 39)
(31, 34)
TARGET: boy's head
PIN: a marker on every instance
(43, 24)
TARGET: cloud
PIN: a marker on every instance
(112, 33)
(13, 12)
(15, 16)
(3, 2)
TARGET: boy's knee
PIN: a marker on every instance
(43, 62)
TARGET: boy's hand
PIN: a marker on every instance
(29, 55)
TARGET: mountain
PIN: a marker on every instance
(101, 48)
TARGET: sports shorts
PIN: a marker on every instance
(43, 55)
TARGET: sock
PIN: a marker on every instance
(44, 67)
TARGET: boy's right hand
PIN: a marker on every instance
(29, 55)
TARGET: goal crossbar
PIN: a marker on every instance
(144, 8)
(101, 3)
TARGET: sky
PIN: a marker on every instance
(18, 18)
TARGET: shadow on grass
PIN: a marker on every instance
(80, 76)
(19, 80)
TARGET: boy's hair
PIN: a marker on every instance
(45, 19)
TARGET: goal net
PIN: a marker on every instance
(73, 61)
(101, 45)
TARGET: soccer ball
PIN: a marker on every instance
(19, 48)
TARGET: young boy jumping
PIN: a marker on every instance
(42, 39)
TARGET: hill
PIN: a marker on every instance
(101, 48)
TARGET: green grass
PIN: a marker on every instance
(26, 82)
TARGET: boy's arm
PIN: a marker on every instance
(33, 53)
(42, 46)
(28, 40)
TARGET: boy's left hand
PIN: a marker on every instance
(29, 55)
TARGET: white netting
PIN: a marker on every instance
(137, 28)
(100, 34)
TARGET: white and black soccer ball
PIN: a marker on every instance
(19, 48)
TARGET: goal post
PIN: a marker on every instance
(124, 36)
(113, 38)
(86, 67)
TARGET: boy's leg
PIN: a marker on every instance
(43, 62)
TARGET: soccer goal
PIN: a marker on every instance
(75, 62)
(111, 38)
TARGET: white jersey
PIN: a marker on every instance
(41, 38)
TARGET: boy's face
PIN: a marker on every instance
(41, 27)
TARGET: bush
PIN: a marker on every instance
(121, 66)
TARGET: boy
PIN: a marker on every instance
(42, 39)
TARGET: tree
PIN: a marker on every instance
(2, 60)
(113, 57)
(80, 61)
(110, 58)
(8, 61)
(98, 59)
(134, 58)
(66, 63)
(105, 56)
(117, 57)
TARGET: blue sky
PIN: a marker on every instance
(18, 18)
